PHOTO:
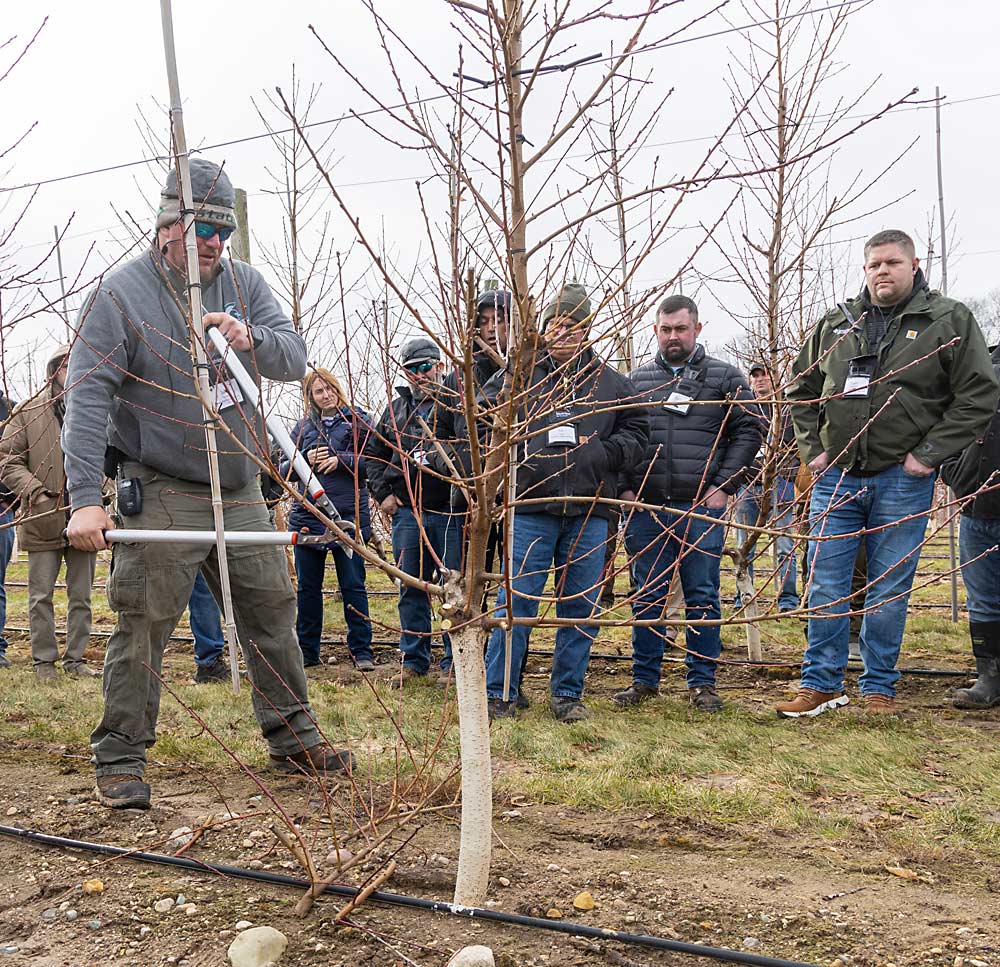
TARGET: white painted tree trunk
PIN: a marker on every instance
(477, 777)
(744, 585)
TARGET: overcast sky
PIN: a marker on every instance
(96, 67)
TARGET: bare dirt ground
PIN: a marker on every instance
(779, 893)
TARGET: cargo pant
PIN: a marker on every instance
(149, 587)
(43, 572)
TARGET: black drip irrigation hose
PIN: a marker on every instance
(414, 903)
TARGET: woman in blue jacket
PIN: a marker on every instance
(332, 436)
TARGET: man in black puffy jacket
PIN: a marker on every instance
(581, 429)
(703, 437)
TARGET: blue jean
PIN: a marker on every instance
(575, 546)
(310, 569)
(410, 550)
(843, 504)
(6, 549)
(206, 624)
(782, 517)
(978, 540)
(654, 541)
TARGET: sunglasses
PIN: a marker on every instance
(207, 230)
(420, 368)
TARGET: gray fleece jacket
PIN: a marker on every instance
(130, 380)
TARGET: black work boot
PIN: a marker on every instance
(635, 694)
(985, 693)
(123, 792)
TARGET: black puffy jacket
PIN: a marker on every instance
(396, 453)
(978, 467)
(608, 440)
(711, 445)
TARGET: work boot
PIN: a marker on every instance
(635, 694)
(499, 709)
(878, 704)
(522, 701)
(986, 648)
(705, 698)
(45, 671)
(319, 760)
(445, 677)
(365, 665)
(854, 647)
(82, 670)
(4, 663)
(568, 710)
(406, 675)
(123, 792)
(218, 671)
(809, 703)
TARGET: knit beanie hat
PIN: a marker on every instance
(498, 299)
(211, 190)
(571, 302)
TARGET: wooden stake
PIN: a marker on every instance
(197, 330)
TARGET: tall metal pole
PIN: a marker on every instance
(62, 285)
(628, 342)
(952, 556)
(197, 329)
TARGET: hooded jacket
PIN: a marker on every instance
(710, 445)
(31, 464)
(130, 374)
(977, 468)
(932, 392)
(345, 433)
(591, 403)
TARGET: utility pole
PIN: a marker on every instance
(239, 244)
(62, 285)
(627, 348)
(952, 557)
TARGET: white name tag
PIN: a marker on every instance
(562, 436)
(857, 386)
(678, 403)
(419, 457)
(225, 394)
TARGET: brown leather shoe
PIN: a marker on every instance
(123, 792)
(319, 759)
(45, 671)
(400, 679)
(878, 704)
(83, 670)
(809, 703)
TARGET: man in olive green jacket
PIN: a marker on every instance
(887, 386)
(31, 466)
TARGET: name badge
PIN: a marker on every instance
(857, 386)
(860, 372)
(419, 457)
(564, 435)
(678, 403)
(225, 394)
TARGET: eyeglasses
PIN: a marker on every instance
(207, 230)
(420, 368)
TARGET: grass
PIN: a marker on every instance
(926, 782)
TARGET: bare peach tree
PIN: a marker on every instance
(781, 237)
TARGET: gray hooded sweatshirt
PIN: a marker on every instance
(130, 380)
